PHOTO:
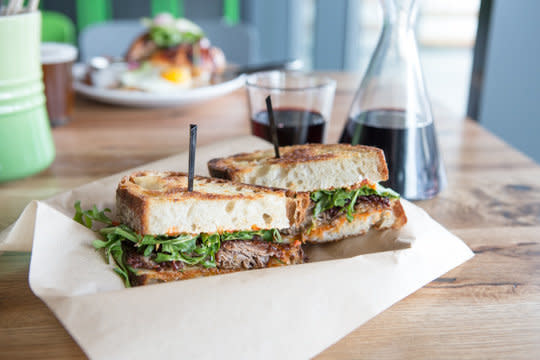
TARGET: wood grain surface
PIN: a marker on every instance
(488, 308)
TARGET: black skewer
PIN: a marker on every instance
(273, 127)
(192, 147)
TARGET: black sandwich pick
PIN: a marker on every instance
(192, 147)
(273, 128)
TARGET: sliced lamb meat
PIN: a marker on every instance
(233, 255)
(240, 254)
(363, 204)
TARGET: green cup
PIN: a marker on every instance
(26, 144)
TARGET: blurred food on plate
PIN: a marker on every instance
(171, 55)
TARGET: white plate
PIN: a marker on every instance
(146, 99)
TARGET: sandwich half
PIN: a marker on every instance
(166, 233)
(341, 183)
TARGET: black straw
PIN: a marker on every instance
(192, 147)
(273, 128)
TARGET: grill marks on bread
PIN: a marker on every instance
(301, 154)
(174, 185)
(296, 154)
(304, 167)
(158, 203)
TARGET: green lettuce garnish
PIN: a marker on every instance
(190, 249)
(346, 199)
(88, 216)
(166, 31)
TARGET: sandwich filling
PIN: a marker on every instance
(196, 254)
(332, 212)
(345, 200)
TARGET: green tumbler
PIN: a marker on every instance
(26, 144)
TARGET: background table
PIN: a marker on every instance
(487, 308)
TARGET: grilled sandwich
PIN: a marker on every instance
(166, 233)
(340, 183)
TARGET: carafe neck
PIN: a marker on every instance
(399, 15)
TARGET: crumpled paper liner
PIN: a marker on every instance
(289, 312)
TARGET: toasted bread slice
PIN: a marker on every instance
(158, 203)
(304, 167)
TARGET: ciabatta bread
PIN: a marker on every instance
(304, 167)
(158, 203)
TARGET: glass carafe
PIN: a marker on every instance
(391, 109)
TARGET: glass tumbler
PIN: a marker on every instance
(56, 62)
(301, 103)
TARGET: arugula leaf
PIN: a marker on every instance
(327, 199)
(317, 195)
(238, 235)
(87, 217)
(271, 235)
(276, 236)
(124, 275)
(190, 260)
(99, 244)
(350, 207)
(117, 254)
(387, 192)
(148, 250)
(346, 199)
(340, 198)
(209, 264)
(122, 231)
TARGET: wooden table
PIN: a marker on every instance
(487, 308)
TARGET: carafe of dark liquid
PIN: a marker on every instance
(391, 109)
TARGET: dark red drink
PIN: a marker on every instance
(294, 126)
(414, 166)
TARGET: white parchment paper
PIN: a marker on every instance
(289, 312)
